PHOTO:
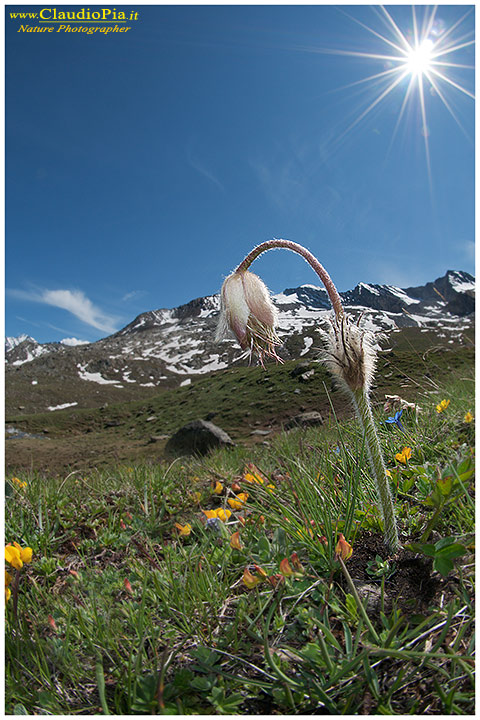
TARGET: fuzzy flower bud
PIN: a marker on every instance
(350, 354)
(247, 310)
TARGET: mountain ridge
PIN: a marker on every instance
(164, 348)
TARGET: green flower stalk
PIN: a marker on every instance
(349, 352)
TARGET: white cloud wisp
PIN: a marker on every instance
(75, 302)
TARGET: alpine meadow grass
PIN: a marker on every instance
(226, 585)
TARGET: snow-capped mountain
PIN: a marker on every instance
(11, 342)
(162, 348)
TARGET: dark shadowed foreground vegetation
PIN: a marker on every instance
(224, 585)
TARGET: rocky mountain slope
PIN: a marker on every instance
(161, 349)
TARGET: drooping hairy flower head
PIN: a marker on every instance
(247, 309)
(349, 353)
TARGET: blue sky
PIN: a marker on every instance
(141, 167)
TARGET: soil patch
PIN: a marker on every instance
(412, 585)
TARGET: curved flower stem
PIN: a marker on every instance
(352, 370)
(363, 409)
(307, 255)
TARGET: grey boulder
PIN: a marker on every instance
(198, 438)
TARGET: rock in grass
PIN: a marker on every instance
(198, 438)
(305, 419)
(372, 593)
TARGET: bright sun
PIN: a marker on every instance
(419, 59)
(424, 56)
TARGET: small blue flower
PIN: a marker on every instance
(396, 419)
(214, 524)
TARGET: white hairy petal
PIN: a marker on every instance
(234, 311)
(258, 300)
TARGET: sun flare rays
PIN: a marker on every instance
(420, 58)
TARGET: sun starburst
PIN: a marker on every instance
(422, 57)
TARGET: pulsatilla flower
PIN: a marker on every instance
(349, 353)
(442, 405)
(405, 455)
(247, 309)
(343, 549)
(16, 556)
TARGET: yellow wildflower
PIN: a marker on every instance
(240, 500)
(468, 417)
(220, 513)
(442, 405)
(8, 580)
(223, 515)
(249, 579)
(183, 530)
(19, 483)
(343, 549)
(235, 541)
(304, 531)
(253, 475)
(297, 565)
(16, 556)
(218, 489)
(405, 455)
(285, 568)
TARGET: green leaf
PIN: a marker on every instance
(465, 469)
(205, 656)
(263, 548)
(183, 678)
(443, 565)
(444, 484)
(202, 684)
(351, 607)
(435, 499)
(452, 551)
(425, 548)
(313, 653)
(225, 705)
